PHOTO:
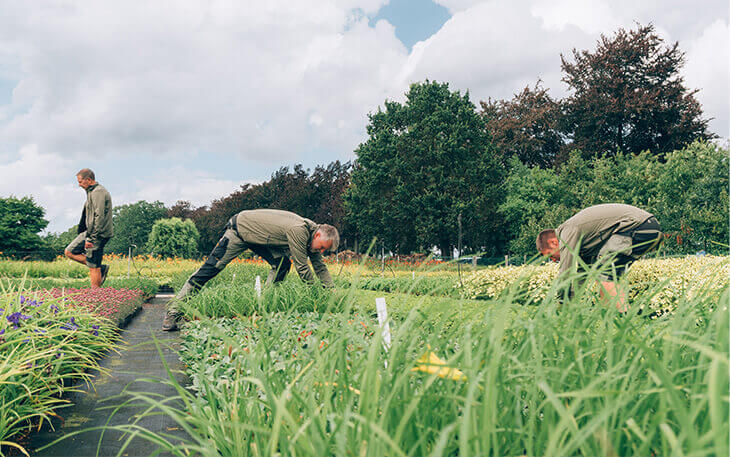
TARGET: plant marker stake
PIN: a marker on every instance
(380, 307)
(257, 286)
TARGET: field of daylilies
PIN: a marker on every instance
(518, 371)
(496, 361)
(47, 344)
(53, 330)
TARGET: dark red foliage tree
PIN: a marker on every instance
(628, 95)
(526, 126)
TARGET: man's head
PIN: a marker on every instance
(85, 178)
(326, 238)
(548, 244)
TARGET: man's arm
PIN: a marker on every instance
(320, 268)
(298, 237)
(569, 243)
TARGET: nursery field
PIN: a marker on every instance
(487, 362)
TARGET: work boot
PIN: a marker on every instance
(169, 323)
(104, 271)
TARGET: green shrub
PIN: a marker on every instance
(173, 238)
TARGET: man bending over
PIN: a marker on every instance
(609, 232)
(275, 236)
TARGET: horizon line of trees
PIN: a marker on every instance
(628, 131)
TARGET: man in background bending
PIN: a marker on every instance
(615, 233)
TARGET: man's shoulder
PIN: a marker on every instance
(100, 190)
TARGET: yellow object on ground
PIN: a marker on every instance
(432, 364)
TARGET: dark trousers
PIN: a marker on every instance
(228, 248)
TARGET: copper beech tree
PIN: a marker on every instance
(628, 96)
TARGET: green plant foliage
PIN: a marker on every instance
(687, 191)
(46, 345)
(133, 224)
(425, 162)
(20, 221)
(556, 379)
(173, 237)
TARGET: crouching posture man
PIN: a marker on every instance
(611, 232)
(95, 228)
(274, 235)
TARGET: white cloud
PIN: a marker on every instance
(707, 70)
(231, 77)
(49, 179)
(494, 50)
(454, 6)
(177, 183)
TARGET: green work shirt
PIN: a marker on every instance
(285, 234)
(586, 232)
(98, 209)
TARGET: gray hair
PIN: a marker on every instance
(543, 237)
(329, 232)
(86, 173)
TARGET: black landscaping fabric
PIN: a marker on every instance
(138, 358)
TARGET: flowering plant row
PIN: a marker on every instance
(665, 281)
(46, 343)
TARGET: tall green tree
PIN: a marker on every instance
(133, 223)
(628, 96)
(425, 162)
(173, 238)
(21, 219)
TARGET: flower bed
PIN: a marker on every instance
(664, 282)
(45, 345)
(113, 304)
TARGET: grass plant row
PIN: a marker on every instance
(304, 372)
(47, 345)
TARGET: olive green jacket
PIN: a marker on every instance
(586, 232)
(285, 234)
(98, 210)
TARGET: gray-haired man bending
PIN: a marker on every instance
(273, 234)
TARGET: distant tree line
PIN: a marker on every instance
(629, 131)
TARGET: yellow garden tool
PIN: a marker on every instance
(432, 364)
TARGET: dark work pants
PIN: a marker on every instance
(227, 249)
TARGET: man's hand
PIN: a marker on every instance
(89, 245)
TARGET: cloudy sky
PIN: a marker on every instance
(170, 100)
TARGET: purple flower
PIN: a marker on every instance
(71, 325)
(16, 317)
(22, 299)
(54, 308)
(2, 331)
(95, 332)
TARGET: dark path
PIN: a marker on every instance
(142, 361)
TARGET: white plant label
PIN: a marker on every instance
(257, 286)
(382, 311)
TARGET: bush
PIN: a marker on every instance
(173, 238)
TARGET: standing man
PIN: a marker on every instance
(610, 232)
(94, 230)
(274, 235)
